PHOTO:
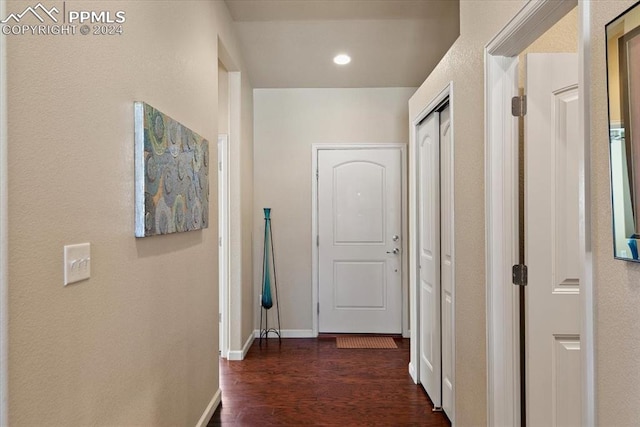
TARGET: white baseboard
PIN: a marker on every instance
(412, 373)
(211, 408)
(240, 355)
(290, 333)
(286, 333)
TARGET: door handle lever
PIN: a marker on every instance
(395, 251)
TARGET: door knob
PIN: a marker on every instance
(395, 251)
(395, 238)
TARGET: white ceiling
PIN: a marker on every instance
(392, 43)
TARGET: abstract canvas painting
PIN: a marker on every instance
(171, 174)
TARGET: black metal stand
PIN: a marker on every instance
(264, 333)
(264, 312)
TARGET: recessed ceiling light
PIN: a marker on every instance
(342, 59)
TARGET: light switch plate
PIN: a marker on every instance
(77, 263)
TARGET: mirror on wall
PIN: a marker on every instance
(623, 81)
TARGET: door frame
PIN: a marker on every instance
(501, 205)
(315, 148)
(223, 242)
(446, 94)
(237, 343)
(237, 348)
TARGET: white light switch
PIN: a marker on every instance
(77, 263)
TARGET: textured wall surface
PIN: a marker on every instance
(616, 283)
(136, 344)
(287, 123)
(464, 65)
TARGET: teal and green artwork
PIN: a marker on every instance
(171, 174)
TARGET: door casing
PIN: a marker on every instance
(237, 343)
(223, 242)
(314, 225)
(501, 204)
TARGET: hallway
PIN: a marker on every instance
(311, 382)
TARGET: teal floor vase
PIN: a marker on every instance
(269, 283)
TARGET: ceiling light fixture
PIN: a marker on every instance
(342, 59)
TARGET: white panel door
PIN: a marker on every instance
(552, 217)
(359, 237)
(446, 259)
(428, 145)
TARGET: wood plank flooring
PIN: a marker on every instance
(311, 382)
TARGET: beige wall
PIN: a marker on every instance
(137, 343)
(287, 123)
(616, 283)
(464, 65)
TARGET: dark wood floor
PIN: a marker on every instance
(311, 382)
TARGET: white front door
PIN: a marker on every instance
(428, 145)
(552, 246)
(359, 239)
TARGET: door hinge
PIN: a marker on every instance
(317, 240)
(519, 106)
(220, 241)
(519, 274)
(220, 166)
(317, 174)
(318, 309)
(219, 317)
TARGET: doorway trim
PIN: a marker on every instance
(315, 148)
(223, 241)
(501, 204)
(237, 350)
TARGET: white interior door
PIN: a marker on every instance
(552, 246)
(428, 144)
(359, 239)
(446, 259)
